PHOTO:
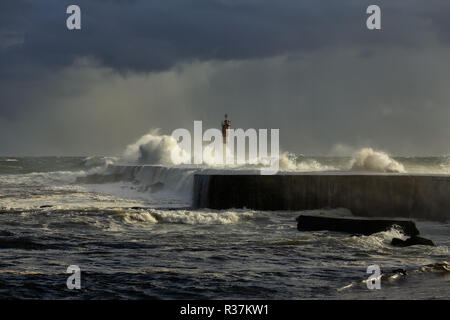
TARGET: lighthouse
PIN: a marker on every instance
(226, 125)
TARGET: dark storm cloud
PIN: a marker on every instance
(310, 68)
(155, 35)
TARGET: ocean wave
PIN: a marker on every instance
(157, 149)
(154, 216)
(388, 278)
(154, 148)
(368, 159)
(112, 218)
(290, 162)
(139, 217)
(102, 162)
(379, 240)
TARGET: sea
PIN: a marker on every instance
(131, 231)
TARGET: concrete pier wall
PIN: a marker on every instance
(389, 195)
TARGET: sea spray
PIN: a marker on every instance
(368, 159)
(290, 162)
(154, 148)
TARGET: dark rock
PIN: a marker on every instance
(354, 226)
(46, 206)
(412, 242)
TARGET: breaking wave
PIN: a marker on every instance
(154, 148)
(154, 216)
(376, 241)
(290, 162)
(103, 162)
(368, 159)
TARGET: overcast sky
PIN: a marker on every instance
(310, 68)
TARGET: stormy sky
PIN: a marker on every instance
(310, 68)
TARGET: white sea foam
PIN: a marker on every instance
(102, 162)
(368, 159)
(157, 149)
(154, 216)
(289, 162)
(138, 217)
(377, 241)
(154, 148)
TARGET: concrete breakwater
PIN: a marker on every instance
(367, 195)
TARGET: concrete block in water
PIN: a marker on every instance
(354, 226)
(413, 241)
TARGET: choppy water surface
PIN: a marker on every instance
(138, 238)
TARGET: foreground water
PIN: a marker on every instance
(133, 240)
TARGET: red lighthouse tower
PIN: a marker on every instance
(226, 125)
